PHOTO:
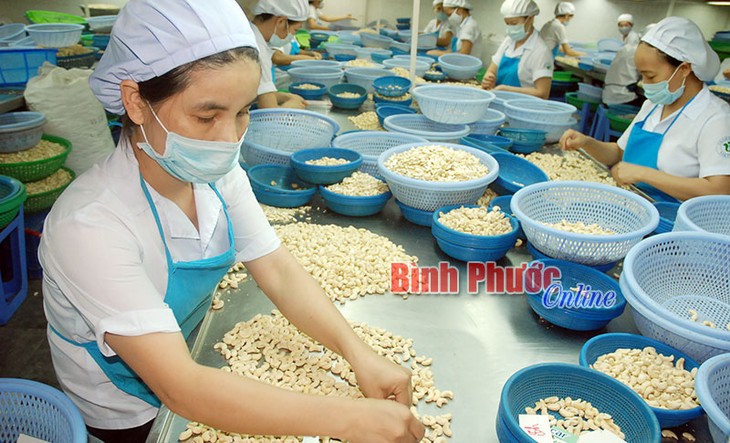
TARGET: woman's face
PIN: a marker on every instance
(449, 11)
(516, 21)
(654, 68)
(214, 106)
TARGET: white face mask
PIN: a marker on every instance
(455, 19)
(277, 42)
(516, 32)
(624, 30)
(192, 160)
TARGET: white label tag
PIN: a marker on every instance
(601, 436)
(22, 438)
(537, 427)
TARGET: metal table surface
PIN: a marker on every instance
(476, 341)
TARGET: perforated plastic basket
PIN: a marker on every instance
(709, 213)
(274, 134)
(375, 41)
(628, 215)
(453, 104)
(429, 196)
(503, 96)
(489, 124)
(421, 67)
(423, 127)
(364, 76)
(316, 64)
(340, 49)
(12, 196)
(18, 65)
(370, 144)
(460, 66)
(666, 276)
(539, 110)
(713, 390)
(553, 131)
(40, 411)
(326, 76)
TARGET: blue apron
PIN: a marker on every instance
(556, 50)
(454, 44)
(507, 71)
(642, 149)
(190, 287)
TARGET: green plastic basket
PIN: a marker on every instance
(572, 99)
(618, 123)
(720, 46)
(44, 200)
(39, 169)
(37, 16)
(11, 198)
(563, 76)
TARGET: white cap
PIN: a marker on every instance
(646, 29)
(564, 8)
(437, 2)
(682, 39)
(625, 18)
(466, 4)
(519, 8)
(153, 37)
(295, 10)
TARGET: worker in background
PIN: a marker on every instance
(553, 32)
(273, 23)
(626, 29)
(440, 24)
(133, 248)
(316, 20)
(285, 55)
(523, 63)
(468, 35)
(622, 77)
(678, 145)
(724, 74)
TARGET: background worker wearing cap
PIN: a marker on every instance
(272, 24)
(622, 76)
(553, 32)
(523, 63)
(315, 19)
(626, 29)
(468, 35)
(678, 145)
(440, 24)
(133, 248)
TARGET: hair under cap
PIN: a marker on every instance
(153, 37)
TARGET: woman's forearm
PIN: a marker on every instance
(684, 188)
(605, 152)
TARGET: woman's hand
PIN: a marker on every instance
(382, 421)
(295, 102)
(628, 173)
(572, 140)
(489, 80)
(380, 378)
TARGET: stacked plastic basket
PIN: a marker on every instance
(552, 117)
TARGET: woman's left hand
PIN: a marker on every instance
(378, 377)
(628, 173)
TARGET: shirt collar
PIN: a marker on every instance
(528, 45)
(699, 104)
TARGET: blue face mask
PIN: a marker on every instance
(516, 32)
(192, 160)
(659, 93)
(442, 16)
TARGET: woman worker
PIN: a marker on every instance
(272, 24)
(315, 18)
(625, 28)
(553, 32)
(468, 35)
(678, 145)
(133, 248)
(523, 63)
(440, 24)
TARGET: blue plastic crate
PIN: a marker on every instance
(17, 66)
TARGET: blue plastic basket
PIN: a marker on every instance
(420, 58)
(344, 57)
(667, 215)
(273, 134)
(316, 64)
(524, 141)
(277, 185)
(20, 130)
(379, 57)
(713, 390)
(539, 111)
(326, 76)
(503, 96)
(321, 174)
(398, 101)
(489, 124)
(467, 254)
(630, 216)
(608, 343)
(18, 65)
(515, 173)
(488, 142)
(479, 144)
(709, 213)
(368, 53)
(392, 85)
(537, 255)
(434, 76)
(370, 144)
(396, 62)
(40, 411)
(415, 216)
(503, 242)
(346, 102)
(429, 196)
(530, 384)
(375, 41)
(334, 49)
(452, 104)
(11, 32)
(308, 94)
(553, 131)
(460, 66)
(421, 126)
(354, 206)
(100, 41)
(364, 76)
(668, 274)
(388, 110)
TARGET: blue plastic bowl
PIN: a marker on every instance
(579, 319)
(386, 110)
(524, 141)
(493, 242)
(392, 86)
(378, 100)
(608, 343)
(467, 254)
(515, 173)
(667, 215)
(415, 216)
(434, 76)
(100, 41)
(537, 255)
(347, 103)
(488, 142)
(20, 130)
(320, 174)
(403, 26)
(379, 58)
(344, 57)
(354, 206)
(277, 185)
(503, 201)
(530, 384)
(308, 94)
(406, 20)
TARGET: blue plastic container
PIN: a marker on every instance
(524, 141)
(100, 41)
(344, 57)
(608, 343)
(503, 201)
(515, 173)
(344, 102)
(667, 215)
(496, 242)
(415, 216)
(713, 391)
(18, 65)
(467, 254)
(364, 76)
(537, 255)
(434, 76)
(327, 76)
(380, 100)
(321, 174)
(489, 141)
(392, 86)
(315, 64)
(379, 57)
(489, 124)
(354, 206)
(277, 185)
(388, 110)
(709, 213)
(460, 66)
(308, 94)
(370, 144)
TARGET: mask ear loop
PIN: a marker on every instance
(684, 80)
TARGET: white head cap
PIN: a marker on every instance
(466, 4)
(153, 37)
(682, 39)
(437, 2)
(519, 8)
(295, 10)
(625, 18)
(564, 8)
(647, 28)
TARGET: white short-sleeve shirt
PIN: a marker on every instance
(470, 31)
(266, 84)
(434, 26)
(105, 269)
(553, 34)
(621, 74)
(632, 38)
(698, 144)
(536, 61)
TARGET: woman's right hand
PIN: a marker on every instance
(383, 421)
(572, 140)
(489, 80)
